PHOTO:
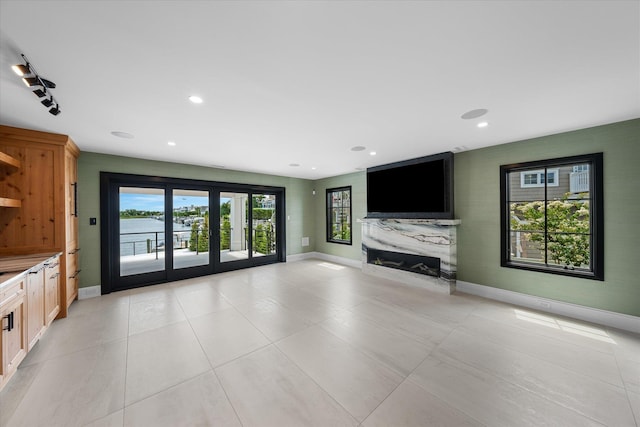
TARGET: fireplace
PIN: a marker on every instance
(419, 264)
(418, 252)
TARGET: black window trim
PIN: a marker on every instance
(596, 174)
(329, 220)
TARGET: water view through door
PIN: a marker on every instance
(157, 230)
(142, 231)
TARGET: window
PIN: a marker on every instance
(339, 215)
(537, 178)
(550, 223)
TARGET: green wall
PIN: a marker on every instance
(358, 183)
(477, 204)
(477, 197)
(300, 222)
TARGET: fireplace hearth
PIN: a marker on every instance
(420, 264)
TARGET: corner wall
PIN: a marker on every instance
(299, 204)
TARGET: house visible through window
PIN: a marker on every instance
(552, 216)
(537, 178)
(339, 215)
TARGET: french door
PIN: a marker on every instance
(156, 230)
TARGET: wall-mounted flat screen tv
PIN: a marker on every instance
(417, 188)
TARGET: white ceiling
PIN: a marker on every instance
(302, 82)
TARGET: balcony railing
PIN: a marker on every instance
(579, 182)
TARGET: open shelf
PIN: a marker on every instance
(7, 160)
(12, 164)
(10, 203)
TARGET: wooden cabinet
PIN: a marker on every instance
(35, 305)
(51, 290)
(13, 344)
(45, 184)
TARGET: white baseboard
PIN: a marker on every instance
(589, 314)
(326, 257)
(89, 292)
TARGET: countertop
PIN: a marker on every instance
(12, 266)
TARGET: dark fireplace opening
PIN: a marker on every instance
(420, 264)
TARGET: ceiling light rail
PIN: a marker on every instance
(41, 85)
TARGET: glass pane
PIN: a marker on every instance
(346, 199)
(264, 224)
(190, 228)
(142, 239)
(233, 226)
(527, 246)
(527, 216)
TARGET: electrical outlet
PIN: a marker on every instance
(544, 304)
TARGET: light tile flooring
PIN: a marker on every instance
(314, 343)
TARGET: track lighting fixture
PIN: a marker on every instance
(40, 85)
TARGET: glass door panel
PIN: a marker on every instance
(190, 228)
(141, 237)
(234, 225)
(263, 224)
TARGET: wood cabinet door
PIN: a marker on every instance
(13, 347)
(52, 290)
(71, 190)
(35, 305)
(33, 227)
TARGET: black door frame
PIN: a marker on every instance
(109, 229)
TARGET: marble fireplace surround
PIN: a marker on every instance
(427, 237)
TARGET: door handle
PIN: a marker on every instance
(9, 318)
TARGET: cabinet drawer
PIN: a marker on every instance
(52, 268)
(8, 292)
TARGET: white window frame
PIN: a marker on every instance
(539, 180)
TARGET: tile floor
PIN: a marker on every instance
(315, 343)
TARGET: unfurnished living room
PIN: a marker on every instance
(319, 213)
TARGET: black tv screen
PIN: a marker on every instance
(418, 188)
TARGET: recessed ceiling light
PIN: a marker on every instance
(474, 114)
(195, 99)
(171, 143)
(373, 153)
(313, 168)
(294, 165)
(482, 124)
(358, 148)
(124, 135)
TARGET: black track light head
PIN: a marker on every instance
(31, 81)
(48, 83)
(40, 92)
(47, 102)
(55, 110)
(21, 70)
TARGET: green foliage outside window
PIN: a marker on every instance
(225, 234)
(199, 239)
(567, 227)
